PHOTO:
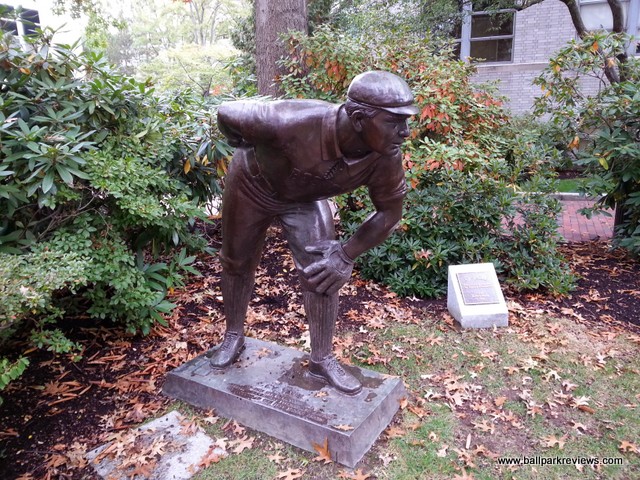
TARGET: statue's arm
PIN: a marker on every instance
(387, 190)
(375, 229)
(244, 123)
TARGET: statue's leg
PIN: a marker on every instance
(304, 225)
(244, 225)
(236, 295)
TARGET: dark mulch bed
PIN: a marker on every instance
(567, 174)
(64, 406)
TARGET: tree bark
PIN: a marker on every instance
(617, 13)
(576, 17)
(274, 18)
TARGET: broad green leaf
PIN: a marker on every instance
(603, 162)
(64, 174)
(47, 182)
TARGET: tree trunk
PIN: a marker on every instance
(274, 18)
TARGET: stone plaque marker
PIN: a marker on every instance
(269, 389)
(474, 297)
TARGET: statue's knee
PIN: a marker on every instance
(236, 267)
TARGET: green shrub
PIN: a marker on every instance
(467, 168)
(101, 182)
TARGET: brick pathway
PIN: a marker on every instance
(575, 227)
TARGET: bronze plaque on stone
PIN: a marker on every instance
(477, 288)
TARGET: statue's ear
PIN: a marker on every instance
(357, 119)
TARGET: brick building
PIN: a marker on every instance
(517, 45)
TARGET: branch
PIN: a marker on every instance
(611, 72)
(618, 15)
(519, 6)
(58, 218)
(576, 18)
(619, 27)
(205, 90)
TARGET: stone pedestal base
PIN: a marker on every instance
(269, 389)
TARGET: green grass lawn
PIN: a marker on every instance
(570, 185)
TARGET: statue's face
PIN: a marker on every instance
(385, 132)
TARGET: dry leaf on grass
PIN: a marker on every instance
(213, 455)
(580, 427)
(291, 474)
(418, 411)
(626, 446)
(276, 457)
(464, 476)
(394, 432)
(324, 455)
(484, 426)
(356, 475)
(242, 444)
(443, 451)
(552, 441)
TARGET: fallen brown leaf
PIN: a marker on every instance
(484, 426)
(552, 441)
(626, 446)
(356, 475)
(499, 402)
(324, 455)
(344, 428)
(394, 432)
(464, 476)
(136, 414)
(212, 456)
(291, 474)
(276, 457)
(418, 411)
(242, 444)
(144, 469)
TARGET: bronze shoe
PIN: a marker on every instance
(228, 351)
(330, 370)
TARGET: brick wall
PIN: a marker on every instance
(539, 32)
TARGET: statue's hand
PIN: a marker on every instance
(332, 271)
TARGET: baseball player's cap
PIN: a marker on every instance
(382, 90)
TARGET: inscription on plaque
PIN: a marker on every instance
(477, 288)
(285, 401)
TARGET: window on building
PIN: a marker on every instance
(486, 36)
(492, 36)
(7, 20)
(30, 21)
(22, 21)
